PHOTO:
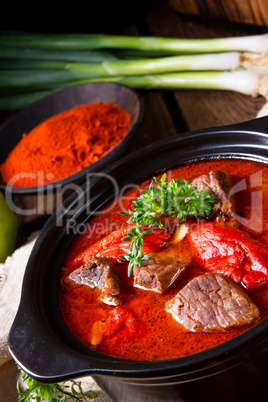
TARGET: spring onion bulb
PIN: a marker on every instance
(253, 43)
(254, 61)
(245, 82)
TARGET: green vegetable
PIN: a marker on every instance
(36, 391)
(19, 101)
(176, 199)
(254, 43)
(246, 82)
(8, 230)
(83, 56)
(35, 64)
(26, 73)
(221, 61)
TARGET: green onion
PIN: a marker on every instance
(31, 65)
(83, 56)
(81, 71)
(245, 82)
(22, 100)
(24, 73)
(39, 64)
(38, 79)
(221, 61)
(240, 81)
(254, 43)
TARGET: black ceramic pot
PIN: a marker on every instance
(39, 341)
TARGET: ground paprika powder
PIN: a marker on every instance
(64, 144)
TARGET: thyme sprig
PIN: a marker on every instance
(36, 391)
(135, 235)
(176, 199)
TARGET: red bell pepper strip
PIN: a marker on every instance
(120, 326)
(112, 246)
(232, 253)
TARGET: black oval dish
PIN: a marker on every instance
(12, 130)
(42, 345)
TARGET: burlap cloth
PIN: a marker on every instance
(11, 276)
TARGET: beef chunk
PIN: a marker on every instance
(217, 183)
(212, 302)
(98, 273)
(157, 275)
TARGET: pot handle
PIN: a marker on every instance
(39, 354)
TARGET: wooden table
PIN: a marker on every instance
(169, 112)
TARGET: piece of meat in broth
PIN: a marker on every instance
(217, 182)
(212, 302)
(98, 273)
(158, 275)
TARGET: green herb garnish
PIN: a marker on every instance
(136, 236)
(175, 199)
(36, 391)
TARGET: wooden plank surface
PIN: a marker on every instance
(246, 11)
(202, 109)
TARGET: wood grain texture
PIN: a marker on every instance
(246, 11)
(202, 109)
(216, 108)
(157, 121)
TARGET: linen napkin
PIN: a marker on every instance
(11, 277)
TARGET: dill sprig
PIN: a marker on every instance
(175, 199)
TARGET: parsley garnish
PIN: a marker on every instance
(175, 199)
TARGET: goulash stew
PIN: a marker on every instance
(188, 283)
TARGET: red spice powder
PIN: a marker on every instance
(65, 143)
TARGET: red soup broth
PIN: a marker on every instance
(165, 338)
